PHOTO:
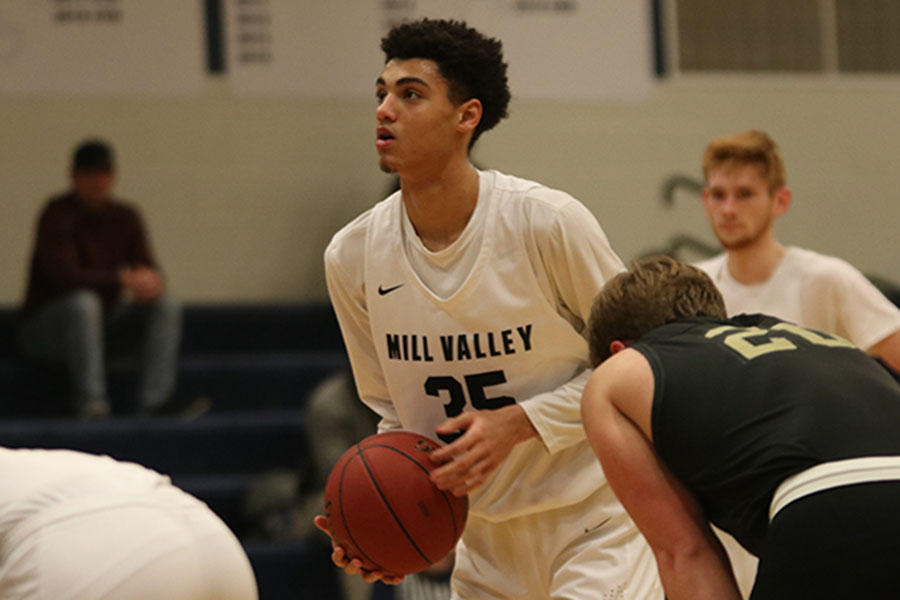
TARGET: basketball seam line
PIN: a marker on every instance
(344, 519)
(388, 504)
(415, 462)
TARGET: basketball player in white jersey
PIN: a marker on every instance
(463, 300)
(76, 526)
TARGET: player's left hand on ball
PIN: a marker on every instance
(353, 566)
(490, 435)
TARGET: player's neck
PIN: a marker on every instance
(441, 205)
(755, 264)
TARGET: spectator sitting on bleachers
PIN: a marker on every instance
(92, 270)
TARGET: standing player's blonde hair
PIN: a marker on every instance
(747, 148)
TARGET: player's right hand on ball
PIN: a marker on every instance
(353, 566)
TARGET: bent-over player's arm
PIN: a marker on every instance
(616, 412)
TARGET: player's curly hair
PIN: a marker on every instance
(654, 291)
(471, 62)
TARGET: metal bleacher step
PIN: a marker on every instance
(246, 442)
(294, 569)
(242, 382)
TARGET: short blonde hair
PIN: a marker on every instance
(748, 147)
(654, 291)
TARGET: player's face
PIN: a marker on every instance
(417, 122)
(739, 205)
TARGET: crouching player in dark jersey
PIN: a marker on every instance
(787, 438)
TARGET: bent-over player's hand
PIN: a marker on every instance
(490, 435)
(353, 566)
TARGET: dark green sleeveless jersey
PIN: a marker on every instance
(741, 404)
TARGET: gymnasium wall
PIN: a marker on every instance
(242, 194)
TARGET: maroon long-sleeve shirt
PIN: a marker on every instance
(77, 247)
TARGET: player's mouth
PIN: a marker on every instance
(729, 225)
(383, 137)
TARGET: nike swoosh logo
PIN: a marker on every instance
(382, 291)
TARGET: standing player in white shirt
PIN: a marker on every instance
(745, 193)
(463, 300)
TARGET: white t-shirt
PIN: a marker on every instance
(813, 290)
(498, 316)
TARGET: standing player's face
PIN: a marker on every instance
(417, 123)
(739, 205)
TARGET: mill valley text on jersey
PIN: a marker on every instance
(458, 346)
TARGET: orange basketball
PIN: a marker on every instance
(383, 509)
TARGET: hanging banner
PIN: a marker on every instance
(102, 46)
(556, 49)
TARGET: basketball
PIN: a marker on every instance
(383, 509)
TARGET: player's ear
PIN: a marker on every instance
(617, 346)
(470, 113)
(783, 196)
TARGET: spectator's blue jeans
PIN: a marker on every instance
(73, 330)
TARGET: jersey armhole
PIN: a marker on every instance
(659, 383)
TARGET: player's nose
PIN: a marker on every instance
(385, 110)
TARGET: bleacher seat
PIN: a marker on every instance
(216, 443)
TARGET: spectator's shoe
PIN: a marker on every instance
(185, 408)
(94, 409)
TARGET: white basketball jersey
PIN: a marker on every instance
(496, 340)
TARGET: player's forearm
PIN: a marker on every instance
(520, 426)
(699, 575)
